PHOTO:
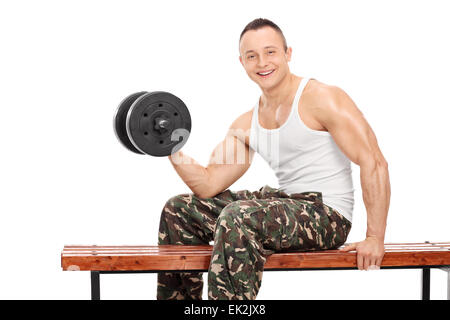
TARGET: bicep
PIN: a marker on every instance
(228, 162)
(350, 130)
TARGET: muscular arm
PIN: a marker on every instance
(228, 162)
(354, 136)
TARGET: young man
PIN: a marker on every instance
(308, 132)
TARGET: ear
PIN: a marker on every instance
(288, 54)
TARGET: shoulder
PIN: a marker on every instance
(243, 122)
(319, 93)
(240, 128)
(325, 100)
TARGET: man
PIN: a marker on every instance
(308, 132)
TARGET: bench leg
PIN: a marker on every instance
(447, 269)
(426, 284)
(95, 285)
(448, 283)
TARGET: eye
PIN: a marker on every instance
(270, 52)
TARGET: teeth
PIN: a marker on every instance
(265, 74)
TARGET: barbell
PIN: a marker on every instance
(155, 123)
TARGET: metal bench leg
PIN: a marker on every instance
(95, 285)
(447, 269)
(448, 283)
(426, 284)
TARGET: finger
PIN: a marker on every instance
(360, 261)
(370, 264)
(366, 261)
(349, 247)
(378, 262)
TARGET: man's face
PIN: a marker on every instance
(262, 51)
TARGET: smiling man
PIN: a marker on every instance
(309, 133)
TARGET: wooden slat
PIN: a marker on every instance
(138, 247)
(197, 246)
(203, 254)
(176, 257)
(193, 248)
(207, 247)
(204, 251)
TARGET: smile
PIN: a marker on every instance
(265, 74)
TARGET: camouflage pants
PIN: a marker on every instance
(246, 228)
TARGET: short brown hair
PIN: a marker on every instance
(260, 23)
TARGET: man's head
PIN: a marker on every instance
(263, 48)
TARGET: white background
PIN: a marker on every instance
(65, 179)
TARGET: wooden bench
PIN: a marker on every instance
(181, 258)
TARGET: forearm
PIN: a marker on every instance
(376, 191)
(194, 175)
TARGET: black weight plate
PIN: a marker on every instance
(141, 125)
(120, 119)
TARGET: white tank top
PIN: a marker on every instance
(304, 159)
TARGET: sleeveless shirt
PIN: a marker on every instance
(304, 159)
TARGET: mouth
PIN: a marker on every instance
(265, 74)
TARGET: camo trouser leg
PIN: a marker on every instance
(248, 231)
(246, 228)
(189, 220)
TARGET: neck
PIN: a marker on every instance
(275, 96)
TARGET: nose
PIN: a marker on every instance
(262, 62)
